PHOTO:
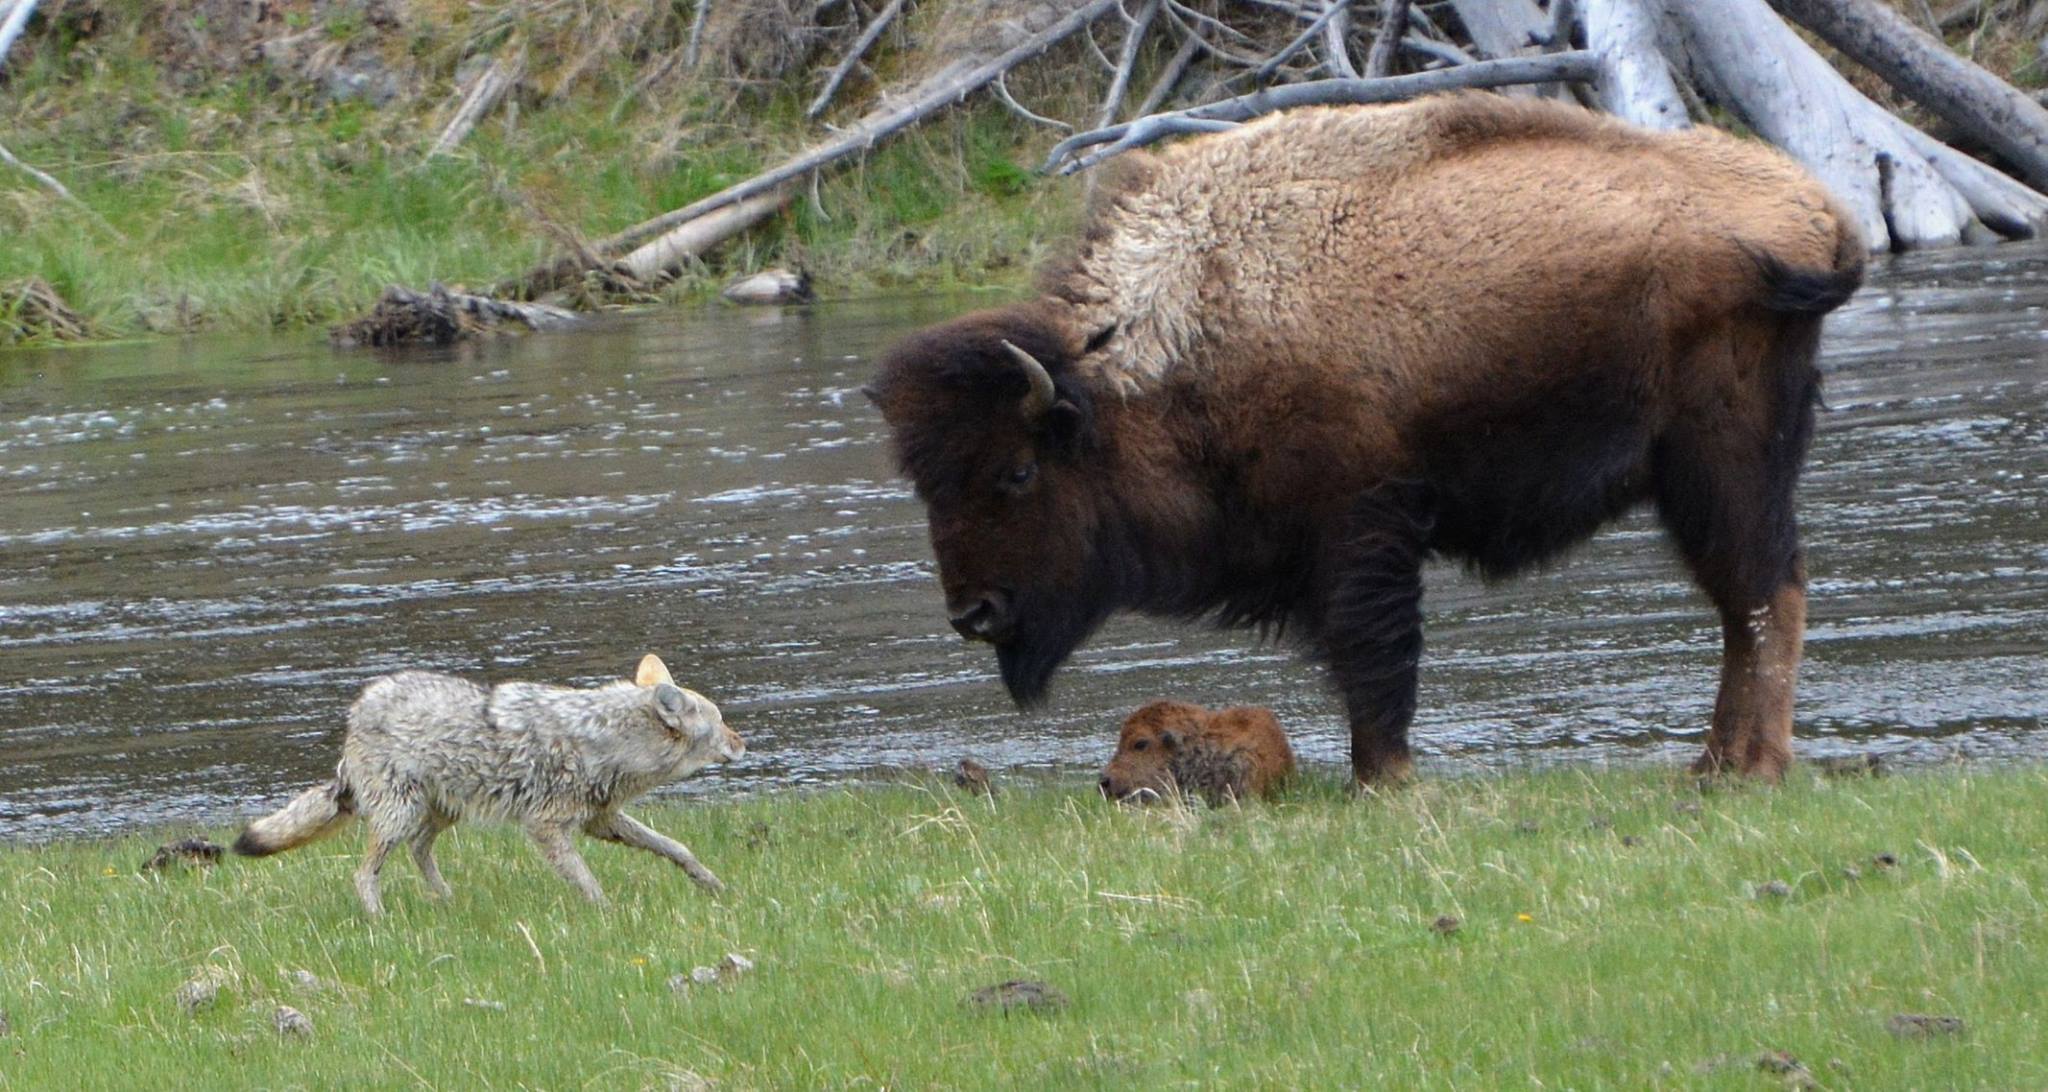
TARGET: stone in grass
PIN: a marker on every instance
(1775, 889)
(202, 990)
(1912, 1025)
(1782, 1064)
(484, 1003)
(290, 1022)
(1885, 861)
(1018, 994)
(304, 981)
(729, 969)
(1446, 924)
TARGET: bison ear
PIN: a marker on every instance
(872, 393)
(1065, 425)
(1099, 339)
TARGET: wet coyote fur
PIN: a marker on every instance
(424, 750)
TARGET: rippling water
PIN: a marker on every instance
(207, 547)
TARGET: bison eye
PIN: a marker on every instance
(1017, 477)
(1141, 745)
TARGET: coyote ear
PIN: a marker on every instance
(671, 704)
(652, 671)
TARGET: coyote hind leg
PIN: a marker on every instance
(627, 831)
(423, 854)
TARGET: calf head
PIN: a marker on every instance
(1152, 738)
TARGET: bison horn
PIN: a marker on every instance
(1041, 397)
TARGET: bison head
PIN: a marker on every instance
(997, 434)
(1152, 737)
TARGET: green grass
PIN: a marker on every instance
(1612, 936)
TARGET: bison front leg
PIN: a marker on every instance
(1372, 635)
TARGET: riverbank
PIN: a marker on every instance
(228, 182)
(1589, 928)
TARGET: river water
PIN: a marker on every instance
(207, 547)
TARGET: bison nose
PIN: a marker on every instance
(988, 619)
(1108, 787)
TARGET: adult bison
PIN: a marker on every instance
(1289, 362)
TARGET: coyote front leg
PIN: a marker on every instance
(627, 831)
(560, 851)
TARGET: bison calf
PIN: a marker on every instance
(1289, 363)
(1171, 746)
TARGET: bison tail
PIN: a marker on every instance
(312, 815)
(1807, 291)
(1789, 289)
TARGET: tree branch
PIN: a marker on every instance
(1134, 38)
(1386, 44)
(1578, 65)
(860, 46)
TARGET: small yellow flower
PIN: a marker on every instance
(109, 871)
(639, 961)
(1524, 917)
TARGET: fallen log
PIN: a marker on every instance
(1507, 28)
(676, 233)
(1635, 82)
(485, 93)
(1900, 196)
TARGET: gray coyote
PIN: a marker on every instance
(424, 750)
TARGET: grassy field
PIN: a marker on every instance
(1615, 929)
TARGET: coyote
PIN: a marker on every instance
(424, 750)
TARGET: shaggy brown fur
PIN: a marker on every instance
(1291, 361)
(1169, 746)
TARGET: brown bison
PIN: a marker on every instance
(1289, 362)
(1174, 746)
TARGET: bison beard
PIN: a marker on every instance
(1048, 635)
(1291, 362)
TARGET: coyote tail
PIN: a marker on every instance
(312, 815)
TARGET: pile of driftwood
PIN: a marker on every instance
(442, 316)
(31, 310)
(1170, 67)
(1661, 63)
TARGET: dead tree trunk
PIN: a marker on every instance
(1904, 189)
(1635, 80)
(1507, 28)
(1935, 76)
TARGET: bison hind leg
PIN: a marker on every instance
(1725, 478)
